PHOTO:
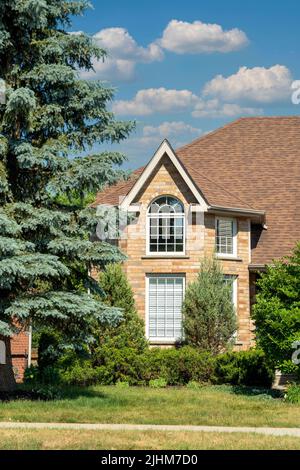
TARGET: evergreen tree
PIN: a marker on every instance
(208, 311)
(130, 333)
(50, 118)
(277, 312)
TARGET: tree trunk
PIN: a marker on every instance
(7, 378)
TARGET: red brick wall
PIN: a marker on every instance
(19, 354)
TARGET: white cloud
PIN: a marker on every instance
(169, 129)
(156, 100)
(195, 38)
(149, 137)
(161, 100)
(120, 45)
(123, 55)
(216, 109)
(111, 69)
(259, 84)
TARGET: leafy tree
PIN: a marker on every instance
(130, 332)
(49, 120)
(209, 316)
(277, 311)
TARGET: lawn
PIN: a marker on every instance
(209, 405)
(148, 440)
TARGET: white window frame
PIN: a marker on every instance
(234, 289)
(165, 254)
(161, 340)
(234, 238)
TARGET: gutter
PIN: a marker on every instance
(256, 215)
(257, 267)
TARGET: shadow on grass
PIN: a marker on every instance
(49, 393)
(258, 392)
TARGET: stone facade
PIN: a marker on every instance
(200, 241)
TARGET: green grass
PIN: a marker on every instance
(210, 405)
(149, 440)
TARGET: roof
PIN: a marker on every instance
(251, 163)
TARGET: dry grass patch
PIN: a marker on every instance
(135, 440)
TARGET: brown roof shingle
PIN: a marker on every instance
(249, 163)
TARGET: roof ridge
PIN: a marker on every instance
(232, 123)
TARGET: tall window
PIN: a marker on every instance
(226, 236)
(166, 226)
(231, 281)
(165, 296)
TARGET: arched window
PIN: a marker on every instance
(166, 226)
(2, 352)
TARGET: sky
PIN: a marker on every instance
(184, 68)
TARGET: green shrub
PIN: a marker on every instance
(50, 375)
(293, 394)
(277, 313)
(208, 311)
(48, 349)
(46, 393)
(161, 382)
(243, 368)
(114, 365)
(130, 333)
(31, 375)
(177, 366)
(80, 373)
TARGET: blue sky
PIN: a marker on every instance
(184, 68)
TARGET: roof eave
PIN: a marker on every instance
(257, 216)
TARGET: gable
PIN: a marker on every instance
(164, 152)
(165, 179)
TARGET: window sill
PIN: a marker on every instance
(163, 342)
(167, 256)
(228, 258)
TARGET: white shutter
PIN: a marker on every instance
(164, 307)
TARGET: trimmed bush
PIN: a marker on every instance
(243, 368)
(177, 366)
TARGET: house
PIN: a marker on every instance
(234, 192)
(15, 355)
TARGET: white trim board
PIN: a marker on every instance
(164, 149)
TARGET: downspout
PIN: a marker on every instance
(29, 346)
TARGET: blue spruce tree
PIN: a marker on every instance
(49, 115)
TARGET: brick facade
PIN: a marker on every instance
(200, 241)
(19, 354)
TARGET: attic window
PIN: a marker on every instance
(2, 352)
(166, 226)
